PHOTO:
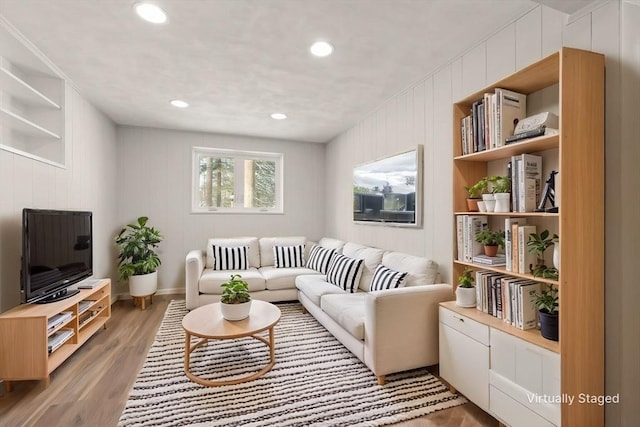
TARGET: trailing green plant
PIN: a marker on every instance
(490, 238)
(136, 243)
(538, 244)
(466, 280)
(235, 291)
(547, 300)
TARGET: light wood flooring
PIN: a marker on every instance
(91, 387)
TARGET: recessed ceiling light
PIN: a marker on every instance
(279, 116)
(178, 103)
(151, 13)
(321, 48)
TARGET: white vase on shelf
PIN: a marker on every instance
(502, 202)
(556, 255)
(489, 202)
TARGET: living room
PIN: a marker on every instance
(120, 171)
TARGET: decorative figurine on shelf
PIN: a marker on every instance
(549, 194)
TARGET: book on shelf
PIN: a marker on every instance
(472, 225)
(532, 133)
(55, 340)
(84, 305)
(58, 320)
(526, 182)
(497, 260)
(528, 313)
(515, 248)
(546, 119)
(508, 222)
(526, 259)
(511, 107)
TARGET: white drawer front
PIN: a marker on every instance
(513, 413)
(464, 363)
(465, 325)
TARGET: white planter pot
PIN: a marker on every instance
(235, 311)
(143, 285)
(466, 297)
(556, 255)
(489, 202)
(481, 207)
(502, 202)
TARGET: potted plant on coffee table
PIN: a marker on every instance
(466, 291)
(235, 302)
(138, 261)
(547, 303)
(491, 241)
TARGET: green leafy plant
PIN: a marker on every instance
(136, 243)
(538, 244)
(465, 280)
(235, 291)
(490, 238)
(547, 300)
(499, 184)
(478, 189)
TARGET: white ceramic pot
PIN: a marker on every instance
(466, 297)
(502, 202)
(235, 311)
(489, 202)
(556, 255)
(143, 285)
(482, 207)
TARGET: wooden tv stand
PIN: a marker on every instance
(25, 333)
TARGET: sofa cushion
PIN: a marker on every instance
(331, 243)
(288, 256)
(421, 271)
(386, 278)
(267, 244)
(253, 249)
(319, 258)
(347, 311)
(283, 278)
(314, 286)
(225, 258)
(211, 280)
(345, 272)
(372, 258)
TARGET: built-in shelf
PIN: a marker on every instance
(503, 270)
(18, 88)
(22, 125)
(532, 145)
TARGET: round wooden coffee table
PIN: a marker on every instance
(206, 322)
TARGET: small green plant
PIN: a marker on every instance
(465, 280)
(235, 291)
(136, 243)
(538, 244)
(478, 189)
(499, 184)
(490, 238)
(547, 300)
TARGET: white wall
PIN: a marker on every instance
(154, 180)
(87, 183)
(422, 115)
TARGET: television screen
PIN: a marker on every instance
(57, 251)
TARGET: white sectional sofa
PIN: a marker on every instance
(389, 330)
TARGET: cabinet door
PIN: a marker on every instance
(464, 363)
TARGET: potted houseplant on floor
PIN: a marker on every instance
(538, 244)
(491, 240)
(547, 304)
(138, 261)
(235, 302)
(466, 291)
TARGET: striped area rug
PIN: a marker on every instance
(315, 382)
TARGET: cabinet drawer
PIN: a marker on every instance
(465, 325)
(513, 413)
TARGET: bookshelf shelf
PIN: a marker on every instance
(576, 79)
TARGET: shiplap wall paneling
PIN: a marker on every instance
(501, 54)
(528, 40)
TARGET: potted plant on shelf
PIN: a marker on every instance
(138, 261)
(491, 240)
(466, 291)
(547, 304)
(538, 244)
(501, 188)
(235, 302)
(475, 193)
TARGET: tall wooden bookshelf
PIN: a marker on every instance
(576, 79)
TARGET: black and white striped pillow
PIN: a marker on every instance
(227, 258)
(288, 256)
(386, 278)
(319, 258)
(345, 272)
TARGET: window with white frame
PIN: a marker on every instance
(236, 181)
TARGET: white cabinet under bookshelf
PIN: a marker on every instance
(32, 100)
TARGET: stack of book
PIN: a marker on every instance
(526, 182)
(58, 338)
(58, 320)
(516, 236)
(467, 226)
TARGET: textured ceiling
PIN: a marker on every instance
(237, 61)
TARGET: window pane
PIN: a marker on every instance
(216, 182)
(259, 184)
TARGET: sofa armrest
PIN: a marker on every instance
(401, 327)
(193, 270)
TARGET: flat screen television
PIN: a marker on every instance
(57, 252)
